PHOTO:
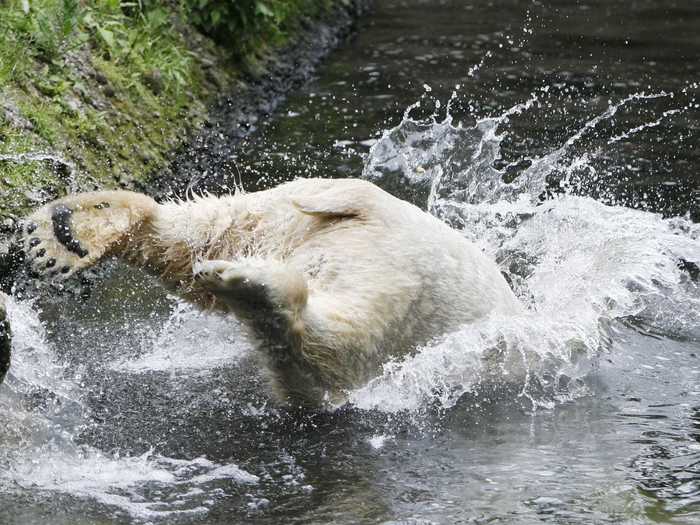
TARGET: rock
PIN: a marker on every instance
(8, 225)
(72, 105)
(14, 116)
(125, 179)
(154, 80)
(36, 197)
(212, 78)
(146, 157)
(101, 79)
(207, 63)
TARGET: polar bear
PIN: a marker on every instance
(331, 277)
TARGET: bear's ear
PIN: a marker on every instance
(336, 202)
(309, 206)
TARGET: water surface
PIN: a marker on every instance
(561, 137)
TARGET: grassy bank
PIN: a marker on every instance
(99, 92)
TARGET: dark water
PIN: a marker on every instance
(586, 54)
(130, 407)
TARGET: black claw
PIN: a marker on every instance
(102, 205)
(40, 253)
(62, 230)
(31, 227)
(51, 263)
(65, 269)
(35, 241)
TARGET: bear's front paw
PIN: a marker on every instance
(48, 245)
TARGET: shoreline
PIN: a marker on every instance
(86, 127)
(234, 116)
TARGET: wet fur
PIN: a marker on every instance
(331, 277)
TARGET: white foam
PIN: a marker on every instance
(190, 341)
(578, 264)
(378, 441)
(121, 481)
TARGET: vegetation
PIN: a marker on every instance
(111, 86)
(250, 24)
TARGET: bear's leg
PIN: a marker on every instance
(311, 351)
(272, 299)
(75, 232)
(267, 294)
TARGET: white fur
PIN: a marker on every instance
(333, 277)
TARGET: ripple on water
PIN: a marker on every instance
(584, 409)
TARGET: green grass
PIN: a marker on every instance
(113, 86)
(250, 25)
(108, 85)
(139, 41)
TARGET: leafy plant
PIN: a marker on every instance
(244, 25)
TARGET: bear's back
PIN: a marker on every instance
(372, 252)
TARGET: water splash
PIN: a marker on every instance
(23, 158)
(175, 346)
(35, 156)
(43, 415)
(580, 265)
(125, 482)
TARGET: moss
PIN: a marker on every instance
(107, 92)
(111, 88)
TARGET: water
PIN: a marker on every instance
(567, 153)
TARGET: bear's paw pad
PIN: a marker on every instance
(48, 243)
